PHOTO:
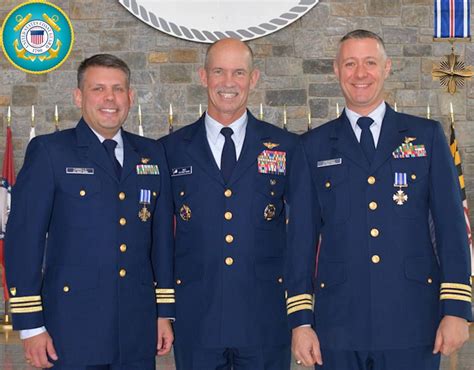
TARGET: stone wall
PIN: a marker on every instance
(296, 66)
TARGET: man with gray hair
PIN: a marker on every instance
(230, 179)
(383, 297)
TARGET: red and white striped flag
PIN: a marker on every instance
(7, 181)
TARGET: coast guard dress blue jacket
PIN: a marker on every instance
(230, 238)
(107, 271)
(378, 280)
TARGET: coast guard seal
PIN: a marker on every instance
(37, 37)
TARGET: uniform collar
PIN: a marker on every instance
(377, 115)
(213, 127)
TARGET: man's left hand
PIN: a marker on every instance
(452, 333)
(165, 336)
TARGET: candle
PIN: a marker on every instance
(309, 121)
(395, 107)
(428, 112)
(451, 111)
(9, 115)
(261, 112)
(170, 119)
(139, 115)
(284, 115)
(56, 115)
(338, 113)
(32, 115)
(200, 110)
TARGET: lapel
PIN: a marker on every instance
(391, 136)
(130, 156)
(93, 149)
(199, 151)
(346, 142)
(252, 147)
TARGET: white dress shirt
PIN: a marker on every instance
(377, 115)
(216, 140)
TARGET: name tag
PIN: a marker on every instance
(79, 171)
(330, 162)
(182, 171)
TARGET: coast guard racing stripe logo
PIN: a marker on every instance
(37, 37)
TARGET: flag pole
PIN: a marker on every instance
(7, 180)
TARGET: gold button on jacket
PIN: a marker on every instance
(375, 259)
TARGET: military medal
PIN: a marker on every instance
(147, 169)
(185, 212)
(272, 162)
(401, 182)
(408, 150)
(269, 212)
(145, 196)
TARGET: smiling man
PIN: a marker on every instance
(230, 181)
(386, 294)
(98, 297)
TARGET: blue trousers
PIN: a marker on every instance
(148, 364)
(418, 358)
(249, 358)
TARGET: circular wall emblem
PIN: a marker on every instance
(37, 37)
(212, 20)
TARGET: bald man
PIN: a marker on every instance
(230, 178)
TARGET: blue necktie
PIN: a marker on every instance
(366, 138)
(109, 146)
(228, 157)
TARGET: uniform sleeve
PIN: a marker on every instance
(450, 230)
(303, 228)
(32, 201)
(163, 242)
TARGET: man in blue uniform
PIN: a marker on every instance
(229, 177)
(388, 295)
(97, 193)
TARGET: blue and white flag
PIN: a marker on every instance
(451, 19)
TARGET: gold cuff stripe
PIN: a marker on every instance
(168, 300)
(164, 291)
(456, 291)
(298, 297)
(300, 308)
(27, 304)
(27, 310)
(457, 286)
(455, 297)
(165, 296)
(303, 301)
(33, 298)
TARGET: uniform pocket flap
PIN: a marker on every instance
(188, 269)
(423, 269)
(80, 186)
(330, 274)
(72, 278)
(270, 185)
(269, 269)
(329, 177)
(415, 168)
